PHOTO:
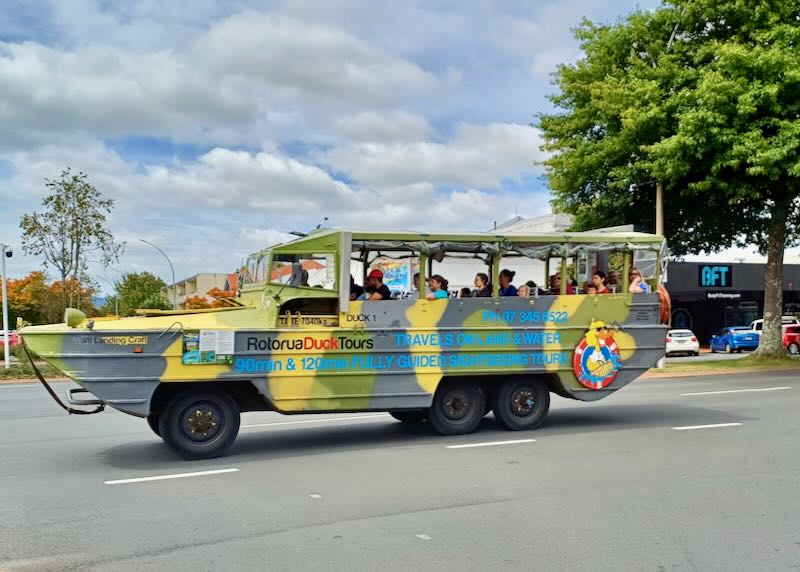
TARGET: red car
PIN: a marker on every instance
(791, 339)
(12, 340)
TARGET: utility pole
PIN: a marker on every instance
(5, 252)
(174, 286)
(659, 208)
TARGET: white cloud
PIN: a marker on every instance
(478, 156)
(390, 126)
(227, 86)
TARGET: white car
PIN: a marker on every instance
(682, 342)
(758, 325)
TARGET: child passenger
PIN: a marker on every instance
(590, 288)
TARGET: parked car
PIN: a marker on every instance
(12, 340)
(734, 339)
(758, 325)
(682, 341)
(791, 339)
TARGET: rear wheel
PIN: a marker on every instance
(200, 425)
(521, 404)
(794, 349)
(410, 417)
(152, 421)
(457, 407)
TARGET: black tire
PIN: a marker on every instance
(410, 417)
(200, 425)
(152, 422)
(728, 349)
(695, 354)
(521, 404)
(794, 349)
(457, 407)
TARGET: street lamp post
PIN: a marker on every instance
(5, 251)
(174, 289)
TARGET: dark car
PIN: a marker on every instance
(791, 339)
(734, 339)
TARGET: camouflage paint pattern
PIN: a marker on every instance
(382, 355)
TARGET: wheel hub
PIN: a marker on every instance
(456, 404)
(201, 422)
(522, 402)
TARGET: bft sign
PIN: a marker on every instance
(715, 276)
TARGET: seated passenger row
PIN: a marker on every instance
(437, 286)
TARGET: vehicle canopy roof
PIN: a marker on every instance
(538, 245)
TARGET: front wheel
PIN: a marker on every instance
(152, 422)
(457, 408)
(200, 425)
(521, 404)
(728, 349)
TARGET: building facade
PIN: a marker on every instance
(707, 296)
(198, 285)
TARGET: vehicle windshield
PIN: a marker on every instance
(681, 334)
(740, 329)
(304, 270)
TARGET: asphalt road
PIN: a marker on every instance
(610, 485)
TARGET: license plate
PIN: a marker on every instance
(682, 341)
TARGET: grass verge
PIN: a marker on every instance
(731, 365)
(21, 368)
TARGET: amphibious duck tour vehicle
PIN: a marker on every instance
(294, 341)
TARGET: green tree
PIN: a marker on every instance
(704, 97)
(137, 290)
(71, 228)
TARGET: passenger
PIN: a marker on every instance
(438, 286)
(506, 288)
(304, 279)
(524, 291)
(636, 283)
(356, 291)
(465, 293)
(612, 280)
(599, 280)
(379, 290)
(556, 288)
(416, 281)
(482, 285)
(590, 287)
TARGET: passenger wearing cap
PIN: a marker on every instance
(380, 291)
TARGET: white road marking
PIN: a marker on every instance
(315, 496)
(735, 391)
(174, 476)
(686, 428)
(424, 537)
(313, 421)
(490, 444)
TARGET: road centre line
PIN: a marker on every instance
(173, 476)
(715, 425)
(491, 444)
(313, 421)
(735, 391)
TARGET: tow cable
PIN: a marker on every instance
(52, 393)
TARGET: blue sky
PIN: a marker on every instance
(217, 127)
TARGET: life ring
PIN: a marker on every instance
(666, 304)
